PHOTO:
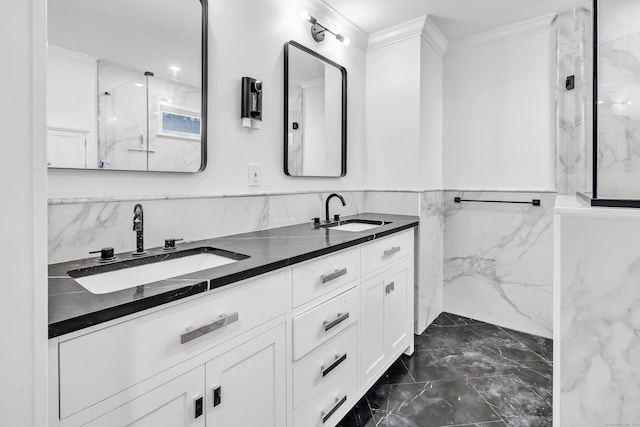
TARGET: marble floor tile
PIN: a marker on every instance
(431, 404)
(527, 422)
(455, 363)
(542, 346)
(463, 373)
(515, 355)
(540, 381)
(494, 335)
(396, 374)
(436, 337)
(443, 320)
(461, 320)
(359, 416)
(488, 424)
(510, 397)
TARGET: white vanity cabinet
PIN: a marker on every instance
(384, 318)
(246, 386)
(178, 403)
(297, 347)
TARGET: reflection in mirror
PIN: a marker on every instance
(315, 114)
(126, 84)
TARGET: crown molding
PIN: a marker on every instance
(397, 33)
(520, 30)
(420, 27)
(432, 35)
(329, 17)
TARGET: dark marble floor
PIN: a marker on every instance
(463, 373)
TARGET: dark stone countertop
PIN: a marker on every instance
(72, 307)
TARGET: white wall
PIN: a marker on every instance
(431, 116)
(499, 116)
(393, 115)
(23, 330)
(244, 44)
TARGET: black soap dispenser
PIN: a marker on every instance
(251, 109)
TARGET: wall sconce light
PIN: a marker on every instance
(318, 31)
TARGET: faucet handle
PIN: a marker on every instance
(170, 244)
(106, 254)
(336, 217)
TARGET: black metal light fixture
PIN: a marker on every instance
(318, 31)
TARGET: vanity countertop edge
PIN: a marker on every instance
(72, 308)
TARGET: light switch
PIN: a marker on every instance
(254, 175)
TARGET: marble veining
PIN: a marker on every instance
(600, 320)
(573, 133)
(459, 375)
(75, 229)
(498, 264)
(429, 295)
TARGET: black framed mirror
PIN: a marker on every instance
(315, 114)
(127, 85)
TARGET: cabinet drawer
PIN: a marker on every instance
(385, 251)
(103, 363)
(318, 277)
(330, 361)
(321, 323)
(331, 406)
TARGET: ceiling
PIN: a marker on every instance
(144, 35)
(456, 19)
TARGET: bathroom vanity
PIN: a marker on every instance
(293, 332)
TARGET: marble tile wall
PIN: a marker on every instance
(498, 262)
(430, 280)
(75, 229)
(600, 321)
(573, 130)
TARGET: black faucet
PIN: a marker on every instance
(327, 204)
(138, 227)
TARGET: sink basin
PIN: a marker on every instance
(106, 278)
(355, 225)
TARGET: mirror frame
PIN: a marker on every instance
(343, 71)
(204, 59)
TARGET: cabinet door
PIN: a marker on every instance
(178, 403)
(246, 386)
(372, 326)
(397, 307)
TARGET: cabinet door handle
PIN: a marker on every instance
(393, 250)
(391, 287)
(224, 320)
(198, 407)
(332, 276)
(217, 396)
(334, 365)
(327, 414)
(328, 324)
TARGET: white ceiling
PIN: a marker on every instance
(144, 35)
(456, 19)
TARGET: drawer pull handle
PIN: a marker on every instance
(332, 276)
(393, 250)
(328, 324)
(334, 365)
(224, 320)
(391, 287)
(326, 415)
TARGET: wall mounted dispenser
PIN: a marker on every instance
(251, 109)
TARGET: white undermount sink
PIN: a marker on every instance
(105, 279)
(356, 225)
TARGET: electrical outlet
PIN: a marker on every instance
(254, 175)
